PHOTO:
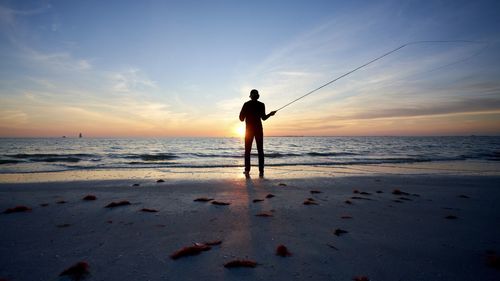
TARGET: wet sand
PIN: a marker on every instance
(387, 227)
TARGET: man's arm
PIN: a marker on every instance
(265, 117)
(268, 115)
(242, 114)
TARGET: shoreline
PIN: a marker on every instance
(388, 238)
(490, 168)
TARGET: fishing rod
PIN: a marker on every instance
(374, 60)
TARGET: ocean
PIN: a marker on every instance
(35, 155)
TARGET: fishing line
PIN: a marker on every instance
(376, 59)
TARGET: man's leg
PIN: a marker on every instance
(259, 139)
(249, 135)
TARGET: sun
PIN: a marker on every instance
(239, 130)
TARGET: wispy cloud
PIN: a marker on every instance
(13, 117)
(8, 15)
(59, 61)
(131, 80)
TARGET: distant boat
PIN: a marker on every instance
(63, 137)
(80, 136)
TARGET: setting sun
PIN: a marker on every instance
(239, 130)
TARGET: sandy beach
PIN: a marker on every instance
(435, 227)
(249, 140)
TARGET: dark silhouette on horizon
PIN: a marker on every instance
(252, 112)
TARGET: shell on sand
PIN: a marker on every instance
(240, 263)
(89, 197)
(77, 271)
(117, 204)
(17, 209)
(203, 199)
(282, 251)
(190, 251)
(220, 203)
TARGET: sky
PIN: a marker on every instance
(185, 68)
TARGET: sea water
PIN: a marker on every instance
(32, 155)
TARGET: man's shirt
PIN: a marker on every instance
(253, 111)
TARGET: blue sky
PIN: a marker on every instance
(184, 68)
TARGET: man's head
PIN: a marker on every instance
(254, 94)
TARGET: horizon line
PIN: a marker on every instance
(271, 136)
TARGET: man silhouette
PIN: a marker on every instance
(251, 112)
